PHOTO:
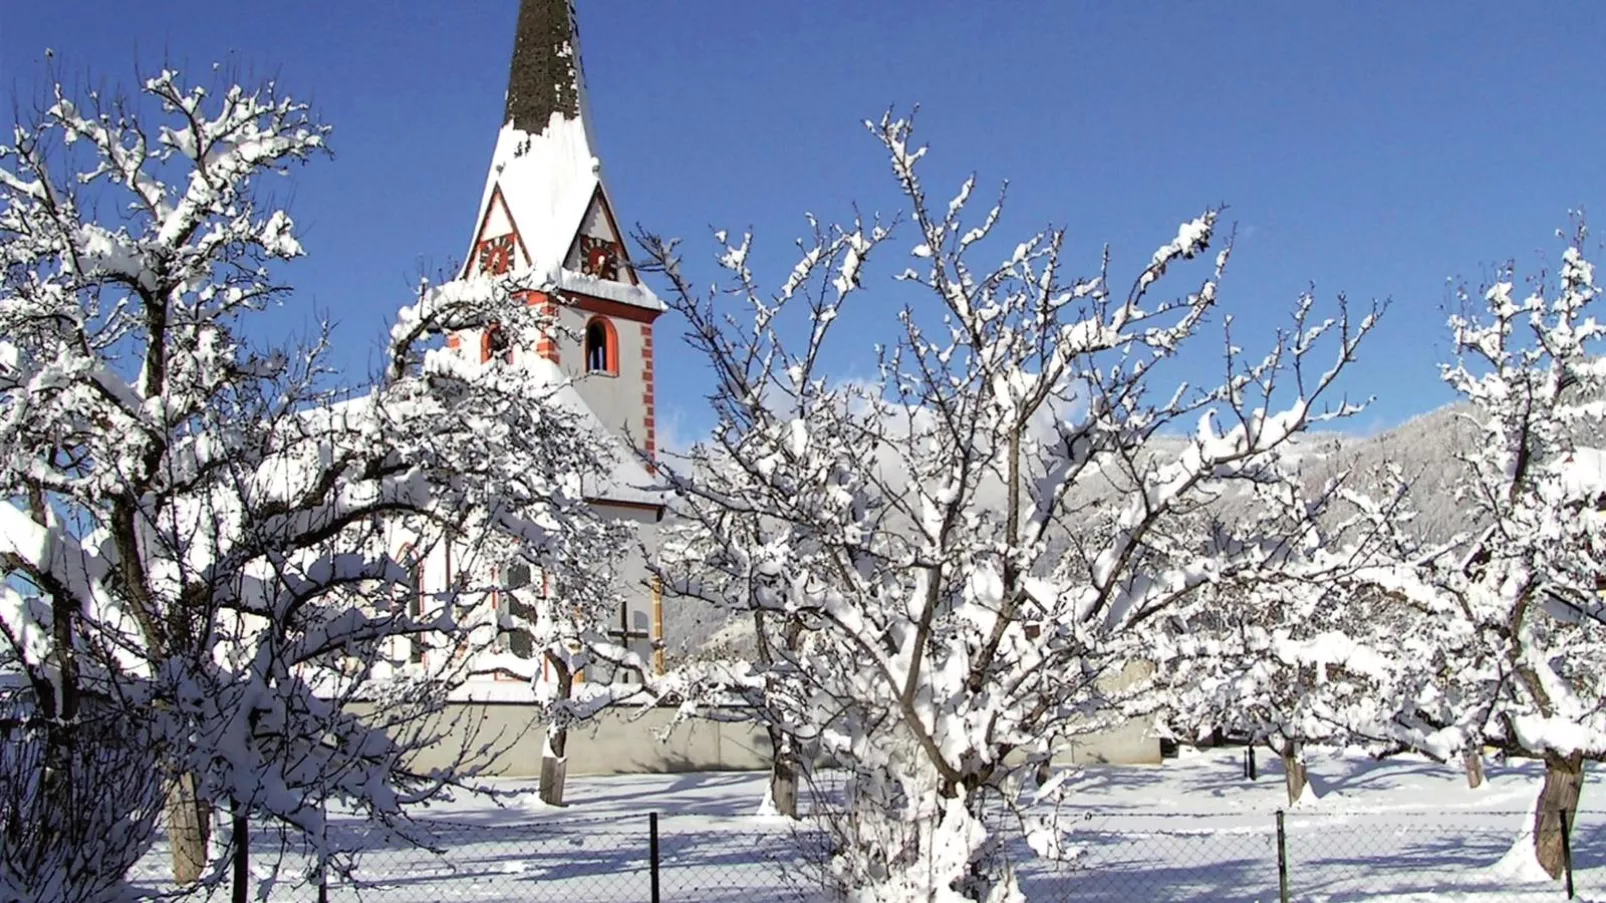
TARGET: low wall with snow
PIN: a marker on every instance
(626, 742)
(1128, 744)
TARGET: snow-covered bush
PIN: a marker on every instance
(942, 562)
(200, 530)
(72, 820)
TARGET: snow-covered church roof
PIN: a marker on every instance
(545, 182)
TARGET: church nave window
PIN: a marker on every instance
(409, 596)
(634, 635)
(513, 614)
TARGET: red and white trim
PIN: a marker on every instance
(650, 421)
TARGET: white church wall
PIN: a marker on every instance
(617, 399)
(496, 222)
(634, 580)
(596, 225)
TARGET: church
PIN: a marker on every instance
(545, 214)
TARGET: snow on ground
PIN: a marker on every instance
(1404, 830)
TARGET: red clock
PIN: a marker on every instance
(496, 255)
(599, 257)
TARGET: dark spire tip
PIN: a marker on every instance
(544, 77)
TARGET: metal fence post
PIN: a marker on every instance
(1567, 848)
(242, 855)
(1249, 751)
(652, 848)
(323, 856)
(1282, 859)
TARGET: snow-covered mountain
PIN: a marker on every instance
(1426, 448)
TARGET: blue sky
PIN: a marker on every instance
(1376, 149)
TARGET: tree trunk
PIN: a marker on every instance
(785, 763)
(1472, 761)
(1045, 771)
(554, 764)
(1293, 771)
(554, 769)
(189, 820)
(1564, 780)
(783, 776)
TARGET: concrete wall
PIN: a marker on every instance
(626, 742)
(616, 742)
(1128, 744)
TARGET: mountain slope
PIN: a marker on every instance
(1424, 448)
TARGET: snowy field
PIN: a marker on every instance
(1192, 829)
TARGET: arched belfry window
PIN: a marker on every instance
(494, 343)
(602, 347)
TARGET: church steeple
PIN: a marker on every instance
(546, 218)
(545, 76)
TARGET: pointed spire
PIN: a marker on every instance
(545, 76)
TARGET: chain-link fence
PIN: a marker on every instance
(1419, 856)
(522, 860)
(1119, 855)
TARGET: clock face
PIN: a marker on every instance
(599, 257)
(496, 255)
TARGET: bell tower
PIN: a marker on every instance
(546, 213)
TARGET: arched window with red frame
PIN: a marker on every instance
(601, 347)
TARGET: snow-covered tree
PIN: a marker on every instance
(1511, 627)
(555, 628)
(1306, 657)
(199, 533)
(71, 832)
(946, 557)
(749, 677)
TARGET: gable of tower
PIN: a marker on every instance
(498, 247)
(598, 247)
